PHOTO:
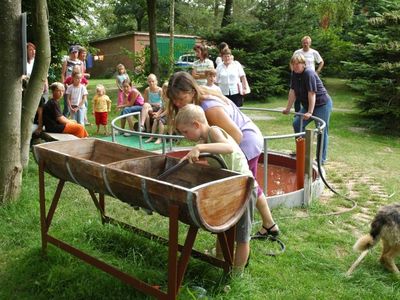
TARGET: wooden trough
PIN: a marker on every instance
(195, 194)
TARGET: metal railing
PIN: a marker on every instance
(167, 139)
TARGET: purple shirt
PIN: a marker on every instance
(252, 140)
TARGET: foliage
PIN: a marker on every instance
(375, 65)
(66, 19)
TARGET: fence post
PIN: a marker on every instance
(308, 171)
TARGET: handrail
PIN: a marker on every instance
(320, 127)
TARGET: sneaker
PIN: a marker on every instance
(126, 134)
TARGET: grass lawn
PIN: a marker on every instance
(363, 165)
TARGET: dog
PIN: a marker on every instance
(386, 227)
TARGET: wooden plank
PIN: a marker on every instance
(50, 136)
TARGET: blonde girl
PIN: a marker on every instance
(161, 116)
(152, 100)
(121, 76)
(101, 107)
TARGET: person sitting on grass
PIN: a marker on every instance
(54, 120)
(191, 122)
(101, 107)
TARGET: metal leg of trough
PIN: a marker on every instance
(54, 203)
(185, 254)
(42, 202)
(98, 203)
(172, 252)
(45, 220)
(227, 242)
(102, 207)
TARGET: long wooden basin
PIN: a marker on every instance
(82, 161)
(211, 198)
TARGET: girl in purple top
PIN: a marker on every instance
(221, 112)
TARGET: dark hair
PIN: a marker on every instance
(203, 50)
(222, 46)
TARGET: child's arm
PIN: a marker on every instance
(118, 85)
(108, 104)
(94, 103)
(83, 100)
(69, 101)
(219, 145)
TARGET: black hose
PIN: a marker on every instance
(181, 164)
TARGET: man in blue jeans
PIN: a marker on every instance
(307, 87)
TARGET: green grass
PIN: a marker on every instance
(318, 248)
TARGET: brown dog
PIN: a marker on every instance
(385, 226)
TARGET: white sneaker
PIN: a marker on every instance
(127, 134)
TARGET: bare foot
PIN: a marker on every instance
(158, 141)
(149, 140)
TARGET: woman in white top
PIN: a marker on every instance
(201, 65)
(231, 78)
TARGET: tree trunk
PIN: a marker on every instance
(10, 97)
(151, 12)
(171, 37)
(38, 78)
(227, 16)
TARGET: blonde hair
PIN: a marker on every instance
(164, 90)
(211, 72)
(152, 76)
(76, 73)
(306, 37)
(100, 87)
(298, 58)
(119, 66)
(189, 113)
(184, 82)
(57, 86)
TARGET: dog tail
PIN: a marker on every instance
(370, 240)
(365, 242)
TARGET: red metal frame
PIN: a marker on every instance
(176, 267)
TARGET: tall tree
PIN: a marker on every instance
(227, 16)
(38, 78)
(11, 156)
(374, 66)
(151, 12)
(125, 9)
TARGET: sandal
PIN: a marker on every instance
(269, 233)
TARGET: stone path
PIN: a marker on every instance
(353, 182)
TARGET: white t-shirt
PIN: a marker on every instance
(228, 77)
(312, 56)
(29, 67)
(76, 92)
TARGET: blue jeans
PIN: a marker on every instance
(323, 112)
(131, 109)
(79, 116)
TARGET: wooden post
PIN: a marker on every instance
(307, 197)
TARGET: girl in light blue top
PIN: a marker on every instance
(152, 100)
